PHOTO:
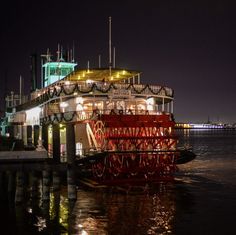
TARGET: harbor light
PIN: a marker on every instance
(79, 107)
(63, 104)
(89, 81)
(79, 100)
(150, 104)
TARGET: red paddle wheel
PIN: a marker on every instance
(135, 147)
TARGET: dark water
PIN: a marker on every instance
(202, 200)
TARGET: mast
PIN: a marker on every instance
(33, 71)
(88, 66)
(58, 52)
(73, 53)
(110, 63)
(20, 91)
(114, 57)
(99, 61)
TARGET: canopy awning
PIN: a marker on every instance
(101, 74)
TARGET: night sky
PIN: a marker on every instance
(189, 46)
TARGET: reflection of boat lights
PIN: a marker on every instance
(163, 215)
(41, 224)
(30, 210)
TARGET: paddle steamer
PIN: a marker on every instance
(123, 129)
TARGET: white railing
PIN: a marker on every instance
(120, 88)
(86, 115)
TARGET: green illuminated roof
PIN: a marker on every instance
(59, 64)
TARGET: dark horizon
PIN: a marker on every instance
(188, 46)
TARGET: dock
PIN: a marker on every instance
(23, 156)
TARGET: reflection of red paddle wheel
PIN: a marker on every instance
(133, 165)
(98, 168)
(140, 147)
(150, 165)
(115, 165)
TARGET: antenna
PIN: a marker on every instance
(33, 69)
(88, 66)
(71, 56)
(73, 53)
(20, 90)
(61, 58)
(48, 55)
(110, 63)
(114, 57)
(99, 61)
(68, 54)
(58, 52)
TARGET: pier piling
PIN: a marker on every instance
(10, 185)
(19, 196)
(56, 180)
(46, 185)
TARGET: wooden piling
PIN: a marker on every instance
(46, 185)
(56, 180)
(19, 195)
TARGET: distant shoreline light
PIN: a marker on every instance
(200, 126)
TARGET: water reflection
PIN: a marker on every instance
(146, 210)
(209, 142)
(203, 194)
(110, 213)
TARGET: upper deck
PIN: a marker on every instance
(107, 90)
(121, 84)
